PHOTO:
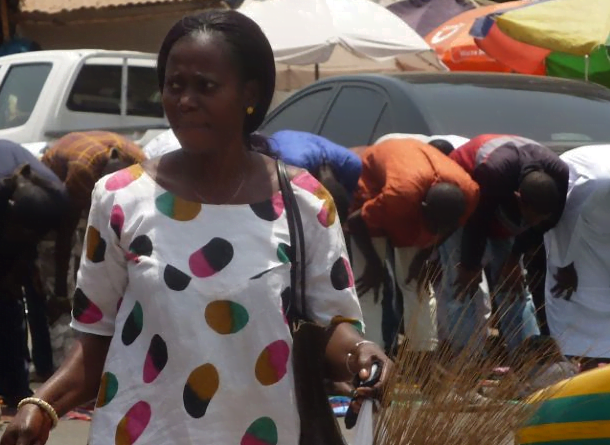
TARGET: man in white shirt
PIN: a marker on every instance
(578, 260)
(161, 144)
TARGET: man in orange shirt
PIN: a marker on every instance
(413, 195)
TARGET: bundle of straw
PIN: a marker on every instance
(437, 398)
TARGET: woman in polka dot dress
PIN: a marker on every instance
(179, 295)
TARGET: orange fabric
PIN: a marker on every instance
(457, 49)
(520, 57)
(396, 175)
(79, 159)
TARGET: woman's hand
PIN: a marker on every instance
(361, 361)
(76, 382)
(31, 426)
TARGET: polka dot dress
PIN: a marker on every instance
(194, 296)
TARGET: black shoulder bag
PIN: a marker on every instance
(318, 423)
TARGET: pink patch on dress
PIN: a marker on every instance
(91, 315)
(350, 272)
(117, 219)
(130, 256)
(150, 371)
(199, 265)
(278, 204)
(137, 418)
(306, 182)
(323, 215)
(156, 359)
(250, 439)
(279, 351)
(123, 178)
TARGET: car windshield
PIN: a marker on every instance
(549, 112)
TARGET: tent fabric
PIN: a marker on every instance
(351, 36)
(575, 67)
(426, 15)
(563, 38)
(457, 48)
(587, 29)
(365, 28)
(291, 77)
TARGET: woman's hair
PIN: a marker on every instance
(249, 48)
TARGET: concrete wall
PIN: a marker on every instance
(141, 35)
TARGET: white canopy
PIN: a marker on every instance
(307, 32)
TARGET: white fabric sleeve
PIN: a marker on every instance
(331, 295)
(102, 276)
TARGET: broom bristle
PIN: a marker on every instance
(429, 399)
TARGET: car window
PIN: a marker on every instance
(566, 115)
(97, 89)
(20, 91)
(353, 117)
(143, 96)
(384, 124)
(301, 115)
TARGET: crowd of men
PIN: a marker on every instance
(42, 204)
(446, 227)
(460, 234)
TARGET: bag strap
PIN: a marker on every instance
(297, 246)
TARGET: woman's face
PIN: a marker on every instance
(204, 97)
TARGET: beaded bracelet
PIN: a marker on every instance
(45, 406)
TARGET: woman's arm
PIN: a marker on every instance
(77, 381)
(331, 296)
(342, 341)
(348, 355)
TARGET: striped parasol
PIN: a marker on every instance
(562, 38)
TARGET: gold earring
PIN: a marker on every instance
(250, 110)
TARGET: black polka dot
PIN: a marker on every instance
(84, 310)
(141, 245)
(194, 405)
(133, 325)
(286, 296)
(218, 253)
(116, 229)
(100, 252)
(156, 359)
(175, 279)
(267, 210)
(339, 275)
(80, 303)
(96, 245)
